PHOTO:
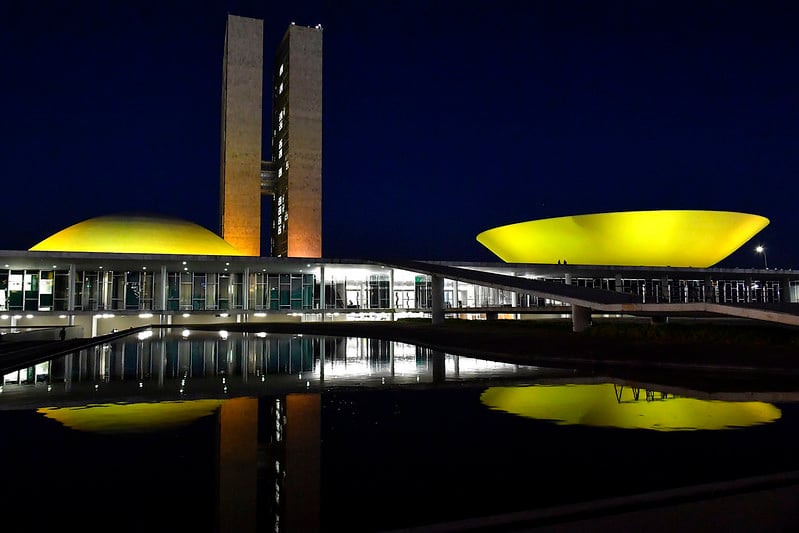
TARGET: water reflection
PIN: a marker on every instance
(131, 417)
(614, 405)
(257, 432)
(185, 364)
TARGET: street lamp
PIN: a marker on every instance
(762, 250)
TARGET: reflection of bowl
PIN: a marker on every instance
(604, 405)
(632, 238)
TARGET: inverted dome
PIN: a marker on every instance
(137, 234)
(680, 238)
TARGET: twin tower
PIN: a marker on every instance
(292, 177)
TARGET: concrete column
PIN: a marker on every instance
(164, 283)
(665, 296)
(567, 277)
(709, 294)
(438, 299)
(71, 290)
(785, 290)
(619, 283)
(581, 318)
(514, 296)
(246, 287)
(322, 291)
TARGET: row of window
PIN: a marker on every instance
(42, 290)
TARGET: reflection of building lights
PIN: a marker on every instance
(261, 334)
(260, 315)
(145, 315)
(29, 315)
(186, 315)
(145, 334)
(17, 317)
(223, 333)
(62, 316)
(185, 333)
(4, 317)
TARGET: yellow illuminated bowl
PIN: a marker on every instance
(630, 238)
(137, 234)
(603, 405)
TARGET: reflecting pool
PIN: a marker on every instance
(180, 430)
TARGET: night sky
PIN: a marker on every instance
(441, 119)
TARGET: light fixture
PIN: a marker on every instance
(762, 250)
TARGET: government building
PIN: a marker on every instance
(118, 271)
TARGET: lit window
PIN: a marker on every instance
(280, 70)
(279, 172)
(279, 153)
(280, 89)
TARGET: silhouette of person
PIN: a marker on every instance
(62, 334)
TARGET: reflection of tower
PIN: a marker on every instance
(290, 438)
(242, 84)
(297, 144)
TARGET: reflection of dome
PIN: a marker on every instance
(137, 234)
(631, 238)
(597, 405)
(131, 417)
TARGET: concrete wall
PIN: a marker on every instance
(305, 142)
(240, 179)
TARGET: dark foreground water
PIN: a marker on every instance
(190, 431)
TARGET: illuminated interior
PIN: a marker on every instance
(137, 234)
(608, 405)
(696, 239)
(131, 417)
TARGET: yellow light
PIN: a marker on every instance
(597, 405)
(697, 239)
(137, 234)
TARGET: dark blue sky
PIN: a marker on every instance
(441, 119)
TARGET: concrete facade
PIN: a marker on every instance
(240, 176)
(297, 144)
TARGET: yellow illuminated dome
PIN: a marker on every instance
(137, 234)
(630, 238)
(604, 405)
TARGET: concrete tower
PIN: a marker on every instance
(297, 144)
(242, 116)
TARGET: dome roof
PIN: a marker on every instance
(137, 234)
(677, 238)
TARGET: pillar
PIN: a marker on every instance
(71, 291)
(581, 318)
(665, 296)
(619, 283)
(246, 286)
(567, 277)
(438, 299)
(785, 290)
(164, 285)
(322, 300)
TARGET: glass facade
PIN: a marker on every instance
(348, 287)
